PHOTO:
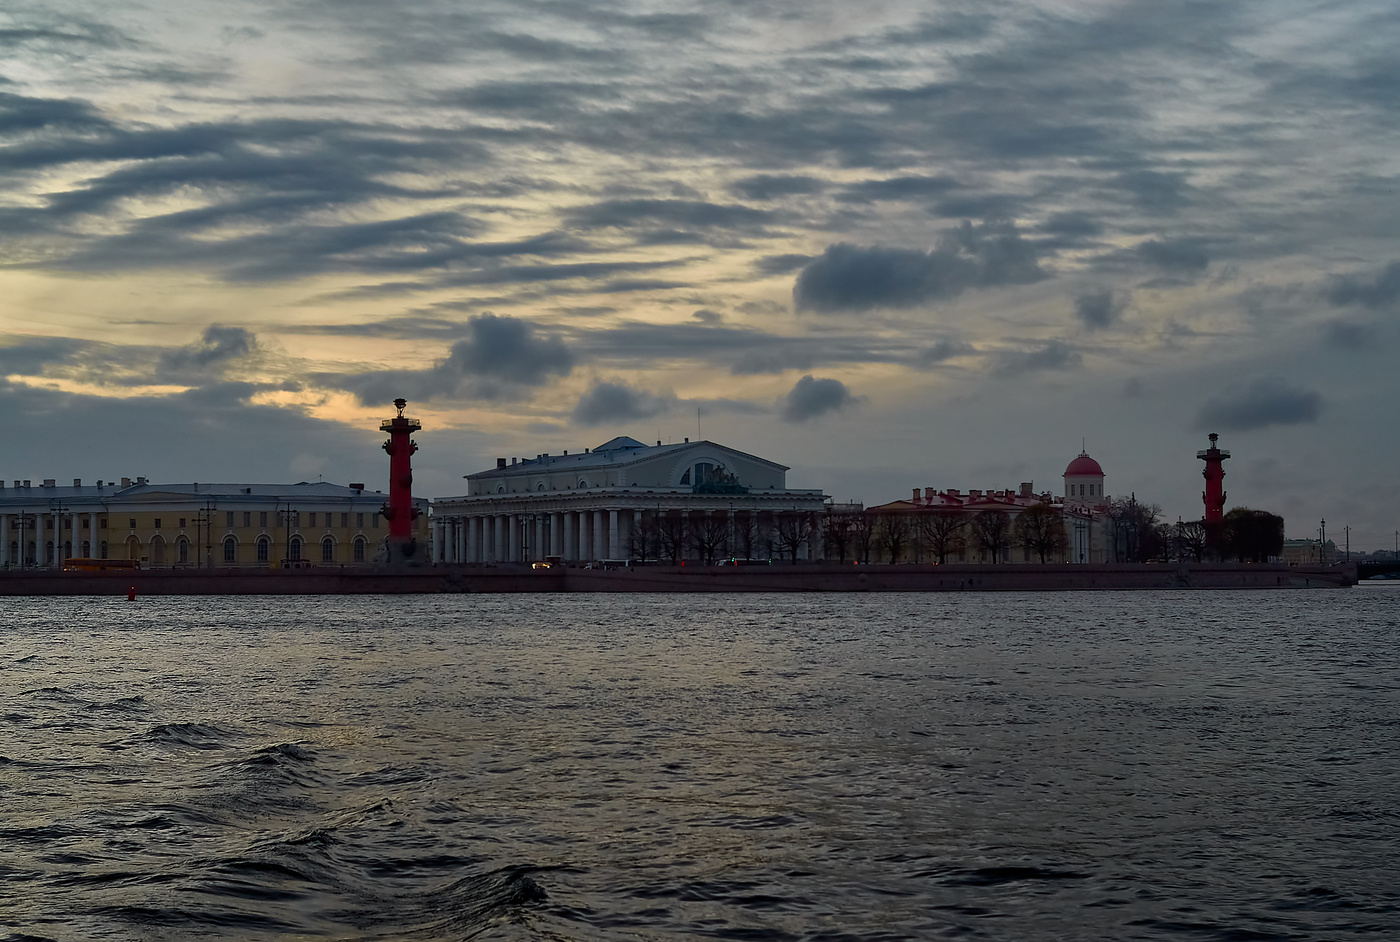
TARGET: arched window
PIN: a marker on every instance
(359, 549)
(184, 551)
(230, 550)
(582, 483)
(262, 549)
(702, 471)
(328, 550)
(14, 550)
(157, 552)
(68, 549)
(685, 478)
(87, 549)
(104, 549)
(294, 548)
(541, 487)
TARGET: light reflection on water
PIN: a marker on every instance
(1010, 766)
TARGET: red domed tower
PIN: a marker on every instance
(1214, 494)
(1084, 481)
(400, 511)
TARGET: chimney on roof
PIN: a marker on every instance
(49, 482)
(1026, 488)
(126, 482)
(687, 441)
(974, 493)
(77, 482)
(500, 463)
(357, 486)
(916, 495)
(26, 482)
(930, 493)
(658, 443)
(140, 480)
(513, 459)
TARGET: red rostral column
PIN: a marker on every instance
(1214, 494)
(400, 511)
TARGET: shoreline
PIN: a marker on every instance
(803, 577)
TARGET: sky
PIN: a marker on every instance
(891, 245)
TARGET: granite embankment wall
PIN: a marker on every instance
(780, 578)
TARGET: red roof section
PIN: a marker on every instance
(1083, 465)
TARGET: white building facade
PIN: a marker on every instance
(605, 503)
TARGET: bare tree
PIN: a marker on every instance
(863, 535)
(1041, 530)
(1193, 539)
(1134, 530)
(709, 534)
(991, 532)
(790, 531)
(942, 531)
(644, 542)
(673, 535)
(743, 535)
(836, 533)
(892, 532)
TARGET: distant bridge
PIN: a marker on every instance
(1378, 567)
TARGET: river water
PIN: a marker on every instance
(1135, 765)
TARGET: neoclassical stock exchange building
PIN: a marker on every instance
(589, 505)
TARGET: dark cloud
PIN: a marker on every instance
(1373, 291)
(855, 278)
(942, 350)
(1053, 355)
(499, 356)
(897, 188)
(770, 186)
(1073, 225)
(812, 398)
(780, 264)
(1159, 194)
(613, 402)
(1265, 402)
(1185, 256)
(1100, 308)
(215, 348)
(1348, 335)
(19, 113)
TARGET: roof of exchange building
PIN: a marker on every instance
(1083, 465)
(619, 450)
(46, 494)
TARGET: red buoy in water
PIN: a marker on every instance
(131, 594)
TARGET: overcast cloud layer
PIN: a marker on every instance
(929, 244)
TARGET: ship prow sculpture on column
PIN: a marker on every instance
(402, 549)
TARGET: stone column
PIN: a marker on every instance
(499, 523)
(600, 535)
(4, 539)
(538, 550)
(556, 536)
(472, 552)
(614, 545)
(569, 546)
(94, 550)
(513, 537)
(437, 541)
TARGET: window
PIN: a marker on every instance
(247, 518)
(102, 523)
(228, 519)
(327, 550)
(702, 471)
(182, 523)
(685, 478)
(294, 549)
(360, 550)
(157, 523)
(582, 483)
(262, 519)
(313, 518)
(230, 550)
(184, 551)
(87, 550)
(104, 549)
(296, 519)
(133, 523)
(360, 521)
(374, 522)
(262, 550)
(158, 551)
(344, 520)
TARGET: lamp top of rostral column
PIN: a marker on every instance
(1213, 451)
(400, 422)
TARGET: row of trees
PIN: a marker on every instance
(940, 534)
(1135, 533)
